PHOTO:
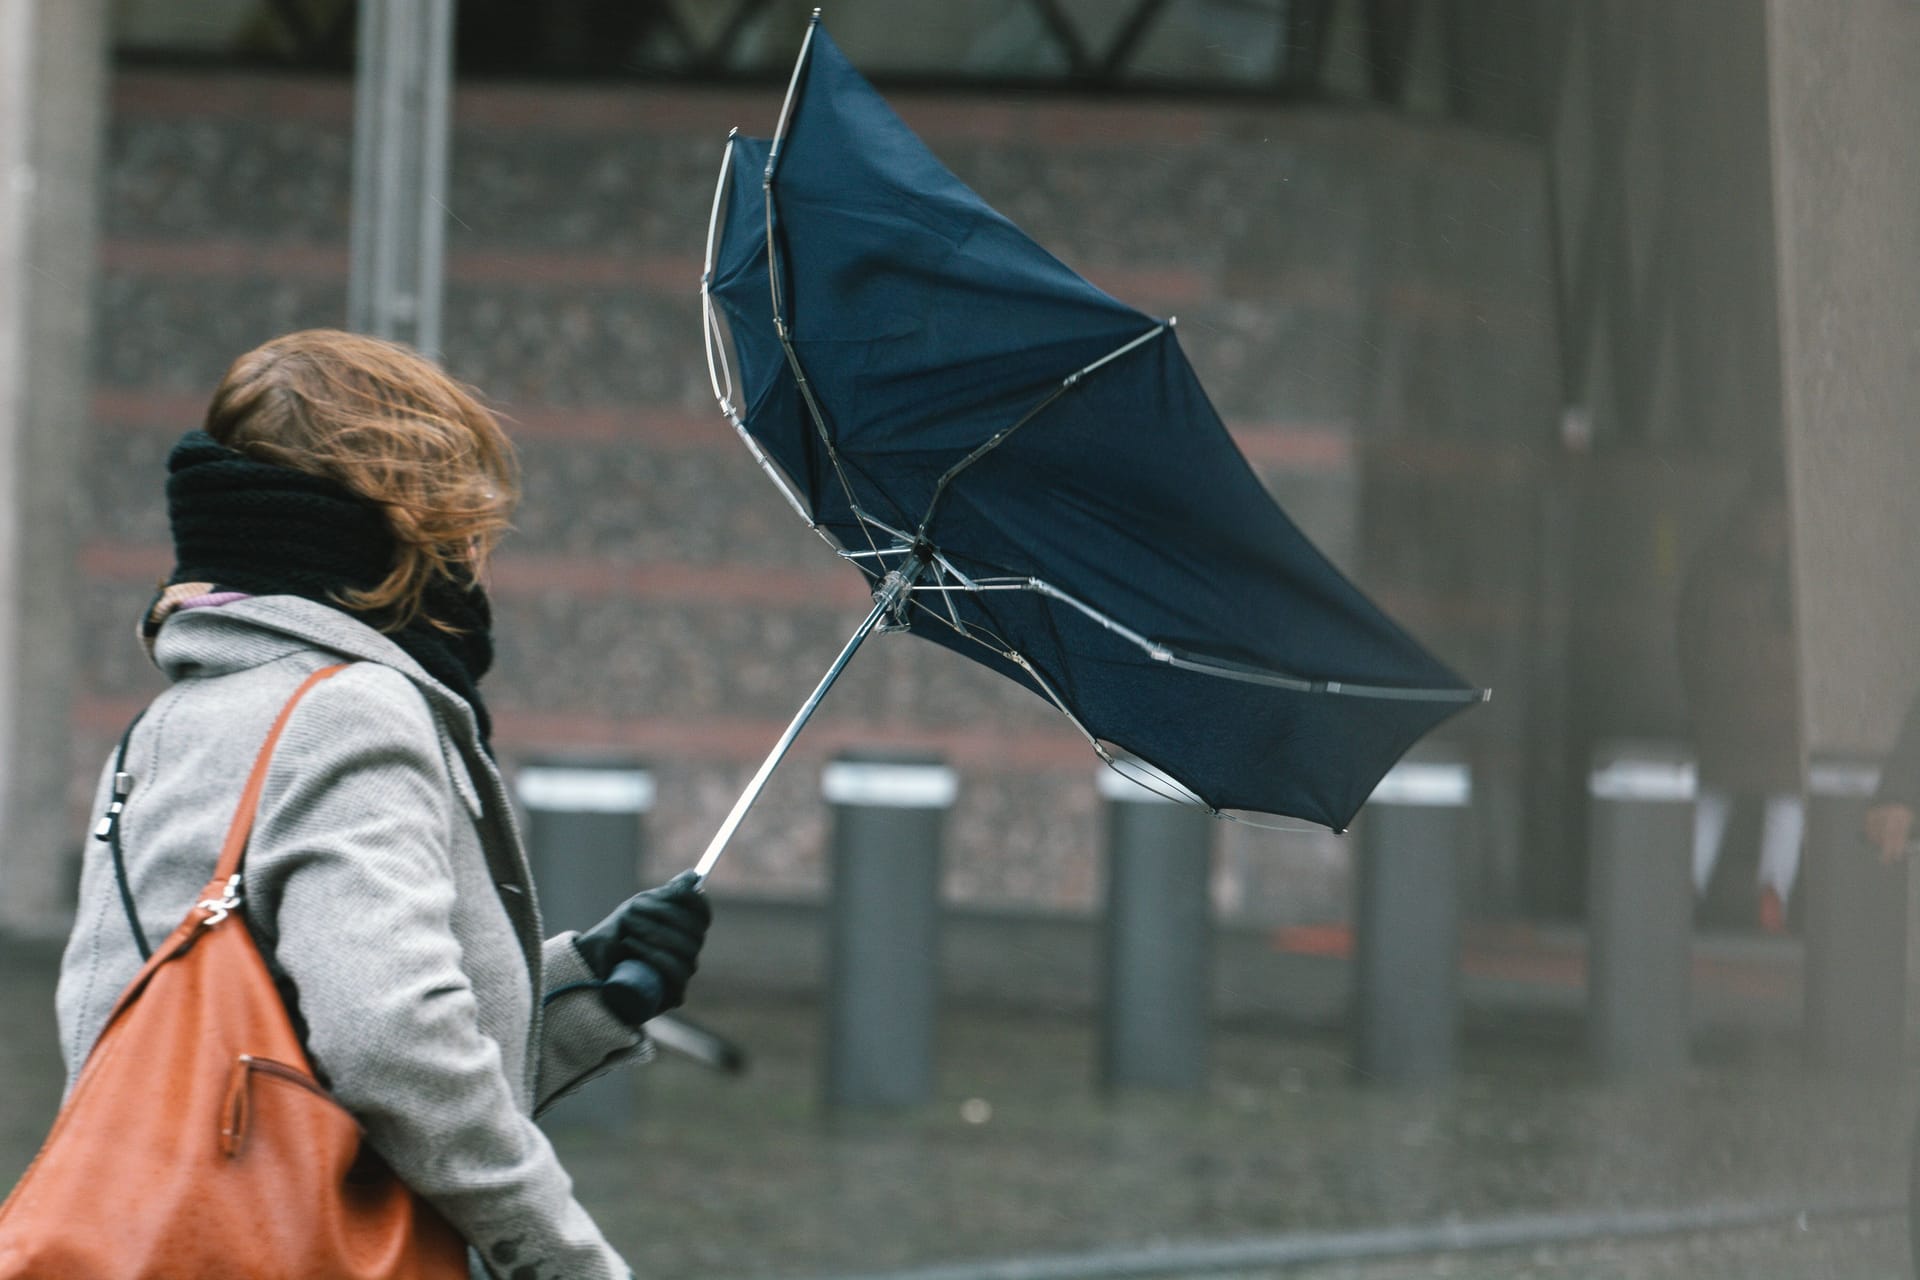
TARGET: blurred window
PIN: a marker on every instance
(1282, 48)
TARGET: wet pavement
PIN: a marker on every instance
(1854, 1251)
(1018, 1157)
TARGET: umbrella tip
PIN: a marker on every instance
(816, 15)
(733, 132)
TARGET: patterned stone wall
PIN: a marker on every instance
(1364, 300)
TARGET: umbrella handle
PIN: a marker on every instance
(892, 590)
(632, 992)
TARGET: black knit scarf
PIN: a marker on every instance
(250, 526)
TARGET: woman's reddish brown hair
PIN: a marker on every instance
(388, 424)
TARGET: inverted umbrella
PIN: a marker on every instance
(1030, 474)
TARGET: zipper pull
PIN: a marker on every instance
(233, 1127)
(122, 788)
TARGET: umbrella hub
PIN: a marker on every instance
(894, 596)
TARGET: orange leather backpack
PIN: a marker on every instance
(197, 1144)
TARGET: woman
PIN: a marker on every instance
(340, 505)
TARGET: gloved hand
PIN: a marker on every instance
(661, 930)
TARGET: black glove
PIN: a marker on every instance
(660, 930)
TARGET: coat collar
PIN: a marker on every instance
(245, 633)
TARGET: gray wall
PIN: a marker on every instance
(1846, 112)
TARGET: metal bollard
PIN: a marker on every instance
(1406, 918)
(883, 926)
(1640, 909)
(1856, 927)
(1157, 940)
(585, 838)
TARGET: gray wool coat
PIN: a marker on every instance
(387, 883)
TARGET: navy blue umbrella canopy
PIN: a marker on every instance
(1037, 470)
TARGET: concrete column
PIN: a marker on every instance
(53, 60)
(1843, 110)
(586, 840)
(1406, 919)
(1640, 909)
(1156, 939)
(883, 976)
(1856, 927)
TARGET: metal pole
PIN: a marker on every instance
(401, 96)
(1856, 928)
(586, 840)
(1157, 939)
(1406, 986)
(883, 926)
(1640, 909)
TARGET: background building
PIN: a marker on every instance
(1505, 301)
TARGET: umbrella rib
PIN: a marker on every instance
(1233, 670)
(1158, 653)
(999, 647)
(1149, 776)
(793, 363)
(740, 428)
(993, 442)
(861, 514)
(716, 353)
(720, 371)
(773, 283)
(793, 89)
(1020, 660)
(855, 557)
(940, 565)
(714, 345)
(773, 276)
(779, 481)
(1380, 692)
(946, 595)
(907, 543)
(943, 568)
(991, 641)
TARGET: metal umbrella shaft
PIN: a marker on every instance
(632, 990)
(887, 599)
